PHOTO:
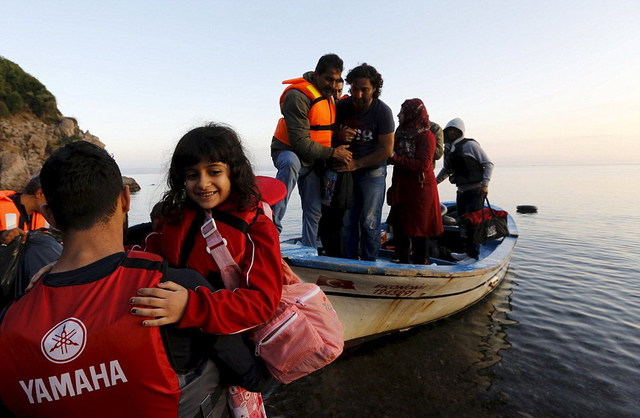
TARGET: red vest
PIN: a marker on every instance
(10, 215)
(76, 351)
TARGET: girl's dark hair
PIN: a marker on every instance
(213, 143)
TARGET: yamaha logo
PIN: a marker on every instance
(65, 341)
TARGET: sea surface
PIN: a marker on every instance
(560, 337)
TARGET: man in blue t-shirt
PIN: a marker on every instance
(365, 122)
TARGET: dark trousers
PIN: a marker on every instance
(234, 355)
(404, 244)
(469, 201)
(330, 231)
(418, 246)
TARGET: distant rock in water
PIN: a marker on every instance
(133, 185)
(31, 126)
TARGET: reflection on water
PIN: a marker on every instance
(437, 369)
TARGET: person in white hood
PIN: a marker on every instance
(469, 168)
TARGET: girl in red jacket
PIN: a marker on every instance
(210, 172)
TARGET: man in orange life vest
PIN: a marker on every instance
(20, 212)
(302, 140)
(70, 347)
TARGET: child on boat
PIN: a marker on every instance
(210, 172)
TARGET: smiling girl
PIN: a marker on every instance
(210, 172)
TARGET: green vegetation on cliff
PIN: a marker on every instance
(20, 91)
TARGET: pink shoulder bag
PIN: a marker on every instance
(305, 333)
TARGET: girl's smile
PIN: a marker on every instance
(208, 184)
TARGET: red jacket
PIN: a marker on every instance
(60, 359)
(257, 253)
(414, 185)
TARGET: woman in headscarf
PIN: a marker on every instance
(413, 196)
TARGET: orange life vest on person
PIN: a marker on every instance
(322, 114)
(10, 215)
(76, 350)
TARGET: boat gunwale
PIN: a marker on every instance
(381, 268)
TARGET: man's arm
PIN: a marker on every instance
(478, 153)
(439, 134)
(295, 110)
(445, 171)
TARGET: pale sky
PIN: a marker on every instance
(536, 82)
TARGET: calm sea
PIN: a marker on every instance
(560, 337)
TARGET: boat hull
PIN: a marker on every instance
(369, 305)
(373, 298)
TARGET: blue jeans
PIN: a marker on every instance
(290, 172)
(361, 232)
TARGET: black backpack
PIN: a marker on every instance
(20, 261)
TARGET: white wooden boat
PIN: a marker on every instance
(373, 298)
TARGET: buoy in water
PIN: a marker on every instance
(526, 209)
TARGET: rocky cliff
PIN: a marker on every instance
(26, 141)
(31, 126)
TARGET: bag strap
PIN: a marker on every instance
(491, 210)
(217, 246)
(230, 272)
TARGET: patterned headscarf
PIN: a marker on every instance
(416, 118)
(415, 121)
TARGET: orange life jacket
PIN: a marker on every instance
(10, 215)
(322, 114)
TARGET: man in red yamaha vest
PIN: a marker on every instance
(70, 347)
(303, 138)
(20, 212)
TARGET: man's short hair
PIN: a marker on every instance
(365, 70)
(81, 183)
(33, 186)
(329, 62)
